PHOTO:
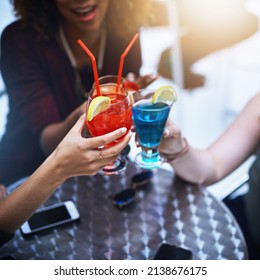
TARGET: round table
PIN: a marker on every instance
(167, 210)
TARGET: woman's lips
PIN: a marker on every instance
(85, 14)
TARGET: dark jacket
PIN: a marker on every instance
(40, 83)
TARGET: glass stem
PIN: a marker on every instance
(150, 153)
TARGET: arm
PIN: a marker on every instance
(53, 133)
(40, 85)
(237, 143)
(74, 156)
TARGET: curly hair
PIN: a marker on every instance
(123, 16)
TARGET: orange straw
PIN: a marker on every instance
(94, 65)
(122, 59)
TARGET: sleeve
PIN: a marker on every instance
(26, 79)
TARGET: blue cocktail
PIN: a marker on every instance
(149, 121)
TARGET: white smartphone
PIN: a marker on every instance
(51, 216)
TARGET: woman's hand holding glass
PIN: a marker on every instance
(76, 155)
(171, 141)
(150, 113)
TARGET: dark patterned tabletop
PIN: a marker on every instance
(168, 210)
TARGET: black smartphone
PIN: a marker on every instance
(172, 252)
(49, 217)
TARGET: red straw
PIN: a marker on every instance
(122, 59)
(94, 65)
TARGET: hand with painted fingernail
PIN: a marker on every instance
(77, 155)
(172, 140)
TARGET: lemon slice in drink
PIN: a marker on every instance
(164, 94)
(98, 105)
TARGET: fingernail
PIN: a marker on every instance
(123, 130)
(166, 132)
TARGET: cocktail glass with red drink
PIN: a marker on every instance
(118, 114)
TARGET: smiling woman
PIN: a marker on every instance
(47, 75)
(121, 16)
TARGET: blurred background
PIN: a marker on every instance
(212, 48)
(6, 17)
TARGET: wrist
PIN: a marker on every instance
(178, 155)
(55, 168)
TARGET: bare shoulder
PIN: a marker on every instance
(252, 109)
(254, 103)
(247, 124)
(251, 116)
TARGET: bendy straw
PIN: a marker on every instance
(94, 65)
(122, 59)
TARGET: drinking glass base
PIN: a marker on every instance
(149, 163)
(114, 168)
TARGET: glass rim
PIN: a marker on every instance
(107, 77)
(151, 109)
(147, 97)
(126, 95)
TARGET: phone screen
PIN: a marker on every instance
(50, 216)
(172, 252)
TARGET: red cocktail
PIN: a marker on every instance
(117, 115)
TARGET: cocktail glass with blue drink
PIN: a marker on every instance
(150, 112)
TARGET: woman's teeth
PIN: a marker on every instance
(84, 11)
